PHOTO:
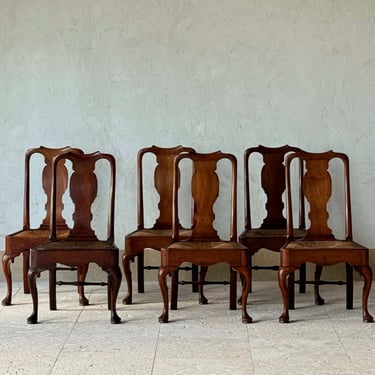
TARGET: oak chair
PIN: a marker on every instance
(321, 245)
(204, 247)
(160, 233)
(21, 241)
(82, 246)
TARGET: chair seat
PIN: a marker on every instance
(201, 245)
(137, 241)
(204, 253)
(261, 232)
(76, 245)
(26, 239)
(82, 252)
(323, 245)
(157, 232)
(323, 253)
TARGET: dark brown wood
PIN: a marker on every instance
(204, 247)
(271, 235)
(81, 246)
(319, 245)
(21, 241)
(160, 234)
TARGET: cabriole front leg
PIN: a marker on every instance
(33, 318)
(126, 259)
(366, 272)
(25, 271)
(283, 284)
(317, 275)
(81, 276)
(162, 277)
(115, 281)
(202, 277)
(246, 280)
(6, 261)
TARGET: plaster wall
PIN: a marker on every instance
(117, 76)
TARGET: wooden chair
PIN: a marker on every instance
(82, 245)
(160, 234)
(205, 247)
(271, 234)
(320, 245)
(21, 241)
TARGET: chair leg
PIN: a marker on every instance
(162, 275)
(141, 273)
(194, 278)
(6, 261)
(202, 277)
(239, 301)
(109, 291)
(33, 318)
(174, 289)
(233, 289)
(349, 286)
(246, 277)
(284, 275)
(251, 274)
(52, 288)
(291, 292)
(302, 278)
(81, 276)
(115, 281)
(26, 256)
(318, 273)
(126, 259)
(367, 275)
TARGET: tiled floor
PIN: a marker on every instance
(198, 339)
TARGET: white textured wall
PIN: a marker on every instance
(118, 75)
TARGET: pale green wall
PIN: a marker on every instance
(118, 75)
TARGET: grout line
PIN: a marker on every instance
(67, 338)
(250, 351)
(339, 339)
(156, 349)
